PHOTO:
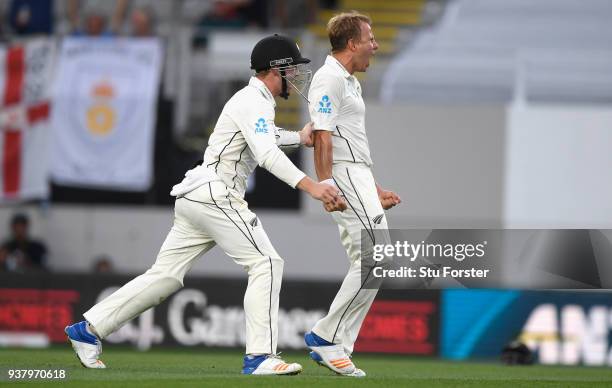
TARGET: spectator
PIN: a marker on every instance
(95, 25)
(103, 265)
(294, 14)
(224, 14)
(256, 13)
(142, 22)
(94, 21)
(29, 17)
(20, 253)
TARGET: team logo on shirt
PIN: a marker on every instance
(378, 219)
(261, 126)
(324, 105)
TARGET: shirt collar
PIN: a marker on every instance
(336, 65)
(259, 85)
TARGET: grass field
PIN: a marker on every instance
(206, 368)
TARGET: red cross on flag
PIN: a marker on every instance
(25, 77)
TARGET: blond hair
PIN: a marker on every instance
(343, 27)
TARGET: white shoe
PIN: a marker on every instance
(356, 373)
(334, 357)
(87, 346)
(330, 355)
(269, 365)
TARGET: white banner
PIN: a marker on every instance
(104, 113)
(26, 71)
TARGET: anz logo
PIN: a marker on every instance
(324, 105)
(261, 126)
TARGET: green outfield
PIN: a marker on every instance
(208, 368)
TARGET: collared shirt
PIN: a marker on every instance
(245, 136)
(336, 105)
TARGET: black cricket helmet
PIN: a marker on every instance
(282, 53)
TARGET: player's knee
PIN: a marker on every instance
(278, 265)
(178, 280)
(277, 262)
(151, 295)
(165, 276)
(274, 264)
(168, 285)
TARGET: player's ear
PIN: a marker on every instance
(351, 44)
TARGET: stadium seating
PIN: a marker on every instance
(388, 16)
(495, 51)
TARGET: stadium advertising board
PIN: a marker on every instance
(208, 312)
(560, 327)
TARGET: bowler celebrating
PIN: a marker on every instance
(342, 157)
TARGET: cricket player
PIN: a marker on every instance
(342, 157)
(210, 210)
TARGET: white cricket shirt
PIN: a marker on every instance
(336, 105)
(245, 136)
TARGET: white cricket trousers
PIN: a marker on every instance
(207, 216)
(349, 308)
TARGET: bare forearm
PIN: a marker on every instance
(324, 192)
(323, 155)
(306, 184)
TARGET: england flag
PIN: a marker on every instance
(26, 72)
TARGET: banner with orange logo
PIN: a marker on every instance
(104, 112)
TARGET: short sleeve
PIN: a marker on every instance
(325, 96)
